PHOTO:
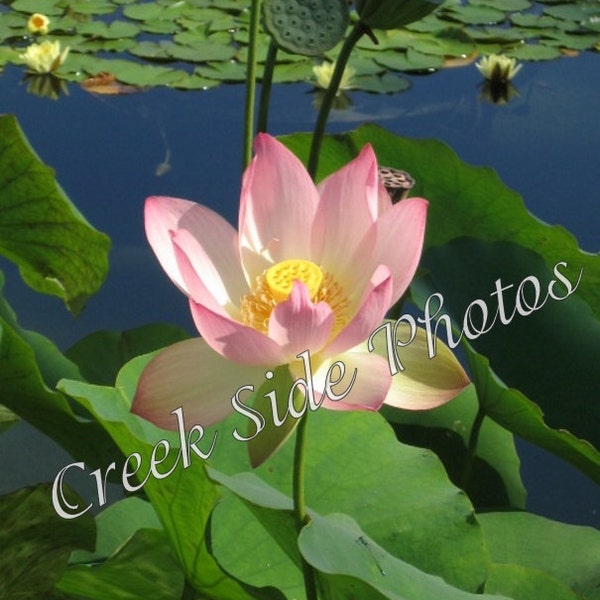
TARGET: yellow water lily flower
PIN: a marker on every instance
(38, 23)
(498, 68)
(45, 57)
(324, 73)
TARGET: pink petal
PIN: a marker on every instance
(298, 324)
(370, 386)
(161, 216)
(192, 376)
(400, 235)
(277, 203)
(211, 246)
(347, 209)
(375, 303)
(425, 382)
(234, 340)
(215, 280)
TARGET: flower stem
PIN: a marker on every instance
(472, 449)
(265, 88)
(250, 83)
(299, 505)
(340, 64)
(189, 593)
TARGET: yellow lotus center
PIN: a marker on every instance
(280, 277)
(275, 285)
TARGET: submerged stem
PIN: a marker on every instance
(299, 503)
(265, 88)
(340, 64)
(250, 83)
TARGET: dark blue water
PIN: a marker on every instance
(545, 144)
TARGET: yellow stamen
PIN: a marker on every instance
(280, 277)
(275, 285)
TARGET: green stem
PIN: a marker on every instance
(473, 440)
(265, 88)
(340, 64)
(250, 83)
(299, 506)
(189, 593)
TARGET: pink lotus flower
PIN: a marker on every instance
(312, 268)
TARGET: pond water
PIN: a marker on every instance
(545, 144)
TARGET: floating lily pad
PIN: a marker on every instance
(535, 52)
(47, 7)
(114, 30)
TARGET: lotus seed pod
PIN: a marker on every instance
(391, 14)
(308, 27)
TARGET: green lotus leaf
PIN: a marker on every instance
(36, 542)
(492, 478)
(7, 418)
(41, 231)
(144, 567)
(525, 583)
(568, 553)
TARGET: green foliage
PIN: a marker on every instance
(35, 542)
(516, 387)
(56, 250)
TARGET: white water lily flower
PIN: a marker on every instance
(498, 68)
(324, 73)
(45, 57)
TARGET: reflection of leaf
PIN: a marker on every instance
(56, 250)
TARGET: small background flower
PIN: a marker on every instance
(324, 72)
(498, 68)
(38, 24)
